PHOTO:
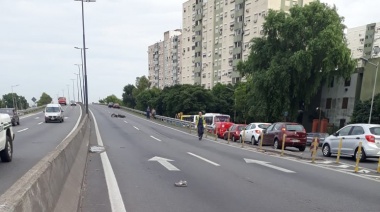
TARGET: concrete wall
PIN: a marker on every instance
(49, 181)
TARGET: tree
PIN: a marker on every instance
(128, 98)
(19, 101)
(147, 98)
(223, 98)
(44, 99)
(298, 52)
(362, 109)
(113, 98)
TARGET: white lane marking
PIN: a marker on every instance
(37, 117)
(204, 159)
(23, 130)
(155, 138)
(136, 128)
(68, 117)
(165, 162)
(116, 200)
(76, 125)
(126, 122)
(266, 164)
(40, 123)
(255, 151)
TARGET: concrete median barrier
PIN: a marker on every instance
(54, 183)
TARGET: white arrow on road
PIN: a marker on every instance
(165, 163)
(266, 164)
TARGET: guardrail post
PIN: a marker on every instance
(242, 139)
(205, 132)
(190, 128)
(314, 151)
(261, 140)
(339, 150)
(358, 153)
(216, 132)
(228, 137)
(378, 166)
(283, 144)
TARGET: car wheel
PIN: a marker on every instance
(225, 137)
(241, 139)
(18, 123)
(13, 123)
(302, 148)
(362, 155)
(6, 153)
(275, 144)
(253, 141)
(326, 151)
(233, 139)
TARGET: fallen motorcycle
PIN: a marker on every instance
(114, 115)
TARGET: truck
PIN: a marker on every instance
(6, 138)
(62, 101)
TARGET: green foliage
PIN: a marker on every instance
(223, 98)
(147, 98)
(112, 98)
(44, 99)
(20, 101)
(299, 52)
(362, 109)
(128, 98)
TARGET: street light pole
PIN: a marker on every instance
(68, 91)
(13, 96)
(374, 86)
(73, 90)
(77, 85)
(80, 81)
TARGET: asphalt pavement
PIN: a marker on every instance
(144, 158)
(35, 139)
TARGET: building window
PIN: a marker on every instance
(328, 103)
(347, 82)
(345, 103)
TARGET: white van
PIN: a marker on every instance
(54, 112)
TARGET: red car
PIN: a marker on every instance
(62, 101)
(295, 135)
(222, 127)
(234, 132)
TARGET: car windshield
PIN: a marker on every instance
(294, 127)
(263, 126)
(52, 109)
(8, 111)
(375, 130)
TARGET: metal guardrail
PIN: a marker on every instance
(30, 110)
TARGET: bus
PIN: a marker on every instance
(212, 118)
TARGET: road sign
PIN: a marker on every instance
(34, 99)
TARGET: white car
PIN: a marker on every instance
(54, 113)
(6, 138)
(252, 132)
(368, 134)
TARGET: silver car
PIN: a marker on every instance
(368, 134)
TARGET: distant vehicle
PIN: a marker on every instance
(253, 131)
(6, 138)
(116, 105)
(311, 136)
(62, 101)
(15, 119)
(73, 103)
(295, 135)
(110, 104)
(351, 135)
(234, 132)
(54, 113)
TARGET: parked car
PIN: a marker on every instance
(73, 103)
(234, 132)
(351, 135)
(295, 135)
(110, 104)
(222, 127)
(116, 105)
(252, 132)
(311, 136)
(13, 114)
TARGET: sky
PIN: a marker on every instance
(37, 40)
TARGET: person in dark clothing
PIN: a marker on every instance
(148, 113)
(200, 123)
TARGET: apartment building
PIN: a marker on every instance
(164, 60)
(340, 95)
(216, 36)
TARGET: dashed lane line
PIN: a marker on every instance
(155, 138)
(204, 159)
(23, 130)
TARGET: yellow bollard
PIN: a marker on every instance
(261, 141)
(228, 137)
(206, 132)
(314, 151)
(190, 128)
(358, 157)
(216, 132)
(378, 166)
(339, 150)
(243, 139)
(283, 144)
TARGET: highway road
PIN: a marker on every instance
(143, 160)
(34, 140)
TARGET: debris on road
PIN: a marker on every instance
(97, 149)
(181, 183)
(114, 115)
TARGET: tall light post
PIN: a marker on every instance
(84, 55)
(77, 85)
(374, 85)
(68, 91)
(80, 80)
(13, 96)
(73, 89)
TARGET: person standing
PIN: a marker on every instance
(148, 112)
(200, 123)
